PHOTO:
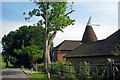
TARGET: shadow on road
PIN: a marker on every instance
(11, 72)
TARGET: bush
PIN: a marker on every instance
(29, 55)
(3, 64)
(85, 70)
(67, 69)
(63, 67)
(57, 67)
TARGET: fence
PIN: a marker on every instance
(110, 70)
(38, 67)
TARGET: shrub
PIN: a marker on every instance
(85, 70)
(57, 67)
(63, 67)
(29, 55)
(3, 64)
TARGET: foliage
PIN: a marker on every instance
(9, 64)
(84, 71)
(60, 68)
(32, 35)
(117, 53)
(67, 68)
(99, 70)
(57, 67)
(2, 63)
(79, 72)
(29, 55)
(55, 17)
(103, 70)
(12, 60)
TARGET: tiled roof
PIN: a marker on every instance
(89, 35)
(97, 48)
(68, 45)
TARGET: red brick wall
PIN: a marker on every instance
(59, 55)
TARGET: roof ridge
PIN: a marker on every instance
(71, 40)
(114, 33)
(68, 44)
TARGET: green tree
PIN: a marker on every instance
(32, 35)
(55, 17)
(29, 55)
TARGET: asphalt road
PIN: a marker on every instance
(13, 74)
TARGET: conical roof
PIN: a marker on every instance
(89, 34)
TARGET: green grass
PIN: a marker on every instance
(41, 76)
(37, 75)
(25, 69)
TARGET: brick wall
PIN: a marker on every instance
(59, 55)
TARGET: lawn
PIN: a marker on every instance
(41, 76)
(25, 68)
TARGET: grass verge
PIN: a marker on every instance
(25, 68)
(41, 76)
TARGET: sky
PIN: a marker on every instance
(104, 13)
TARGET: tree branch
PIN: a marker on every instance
(69, 12)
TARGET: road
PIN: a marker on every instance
(13, 74)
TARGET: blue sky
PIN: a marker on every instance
(102, 13)
(13, 11)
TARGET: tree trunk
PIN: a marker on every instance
(45, 45)
(48, 55)
(45, 56)
(49, 42)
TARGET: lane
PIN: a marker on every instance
(13, 74)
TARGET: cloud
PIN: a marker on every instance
(105, 8)
(105, 31)
(73, 32)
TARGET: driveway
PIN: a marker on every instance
(13, 74)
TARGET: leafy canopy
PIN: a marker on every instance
(32, 35)
(57, 15)
(29, 54)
